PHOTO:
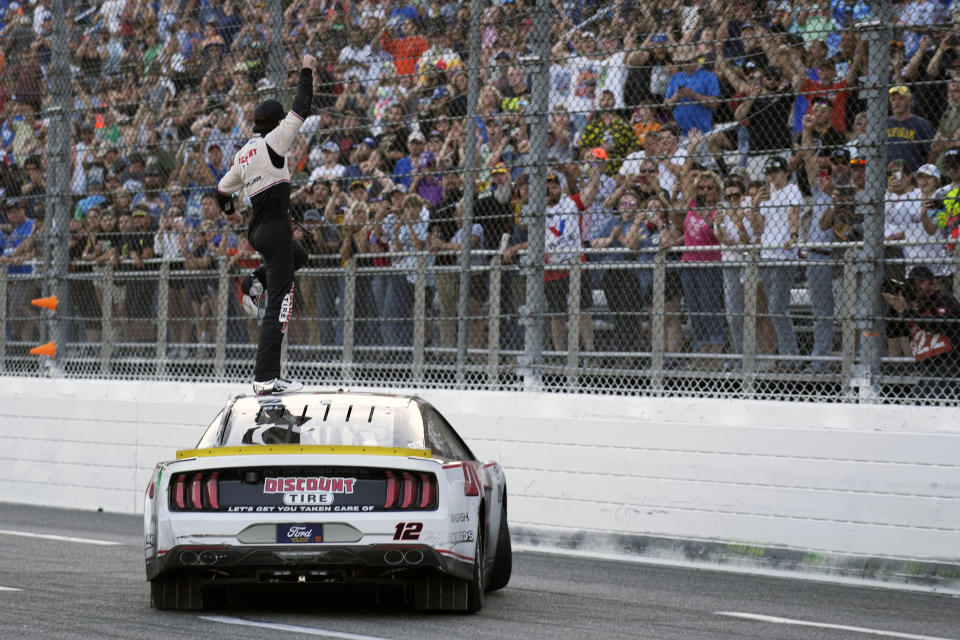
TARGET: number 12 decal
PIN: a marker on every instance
(408, 531)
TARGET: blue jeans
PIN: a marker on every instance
(397, 318)
(701, 289)
(733, 302)
(777, 282)
(820, 286)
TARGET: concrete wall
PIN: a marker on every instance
(789, 482)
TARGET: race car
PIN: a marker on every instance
(314, 488)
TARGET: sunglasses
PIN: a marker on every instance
(899, 90)
(858, 163)
(733, 194)
(646, 171)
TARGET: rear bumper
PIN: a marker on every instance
(307, 563)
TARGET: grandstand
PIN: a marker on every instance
(713, 199)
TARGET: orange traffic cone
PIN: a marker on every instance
(49, 349)
(47, 303)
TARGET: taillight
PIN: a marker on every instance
(199, 491)
(410, 491)
(471, 482)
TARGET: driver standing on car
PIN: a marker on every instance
(260, 169)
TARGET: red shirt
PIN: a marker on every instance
(837, 94)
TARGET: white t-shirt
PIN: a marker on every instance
(613, 77)
(898, 209)
(913, 231)
(776, 221)
(731, 230)
(562, 232)
(584, 84)
(327, 173)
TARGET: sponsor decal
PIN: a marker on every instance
(461, 536)
(299, 533)
(311, 484)
(286, 309)
(460, 516)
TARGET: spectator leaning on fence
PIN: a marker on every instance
(908, 136)
(779, 204)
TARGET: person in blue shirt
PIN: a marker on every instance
(693, 93)
(908, 136)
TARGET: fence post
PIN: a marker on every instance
(420, 317)
(3, 318)
(106, 327)
(848, 338)
(573, 325)
(751, 277)
(657, 321)
(223, 290)
(493, 322)
(163, 317)
(349, 312)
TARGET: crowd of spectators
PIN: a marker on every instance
(702, 128)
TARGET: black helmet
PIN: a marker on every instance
(267, 116)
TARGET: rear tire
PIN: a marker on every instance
(503, 562)
(182, 592)
(475, 589)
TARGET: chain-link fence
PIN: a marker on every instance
(748, 199)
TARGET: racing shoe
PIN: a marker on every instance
(277, 385)
(253, 296)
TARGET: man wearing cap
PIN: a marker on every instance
(693, 93)
(408, 164)
(908, 136)
(260, 170)
(779, 207)
(933, 319)
(152, 198)
(767, 106)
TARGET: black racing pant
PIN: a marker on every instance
(281, 257)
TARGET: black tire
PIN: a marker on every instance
(177, 593)
(503, 562)
(475, 589)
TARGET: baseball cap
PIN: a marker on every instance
(500, 168)
(952, 156)
(312, 215)
(775, 163)
(929, 170)
(330, 146)
(415, 136)
(841, 155)
(357, 184)
(552, 177)
(922, 272)
(13, 203)
(659, 38)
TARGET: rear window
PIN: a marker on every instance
(325, 420)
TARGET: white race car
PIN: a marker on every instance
(328, 487)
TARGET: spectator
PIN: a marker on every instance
(330, 168)
(908, 136)
(356, 232)
(152, 198)
(693, 94)
(406, 47)
(702, 287)
(409, 234)
(323, 245)
(610, 132)
(767, 106)
(627, 291)
(933, 317)
(16, 253)
(563, 246)
(135, 247)
(778, 205)
(827, 199)
(171, 228)
(201, 265)
(948, 131)
(81, 297)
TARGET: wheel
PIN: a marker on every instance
(475, 588)
(503, 562)
(178, 592)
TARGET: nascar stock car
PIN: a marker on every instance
(334, 488)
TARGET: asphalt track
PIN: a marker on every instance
(77, 574)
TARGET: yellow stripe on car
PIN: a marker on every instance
(259, 450)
